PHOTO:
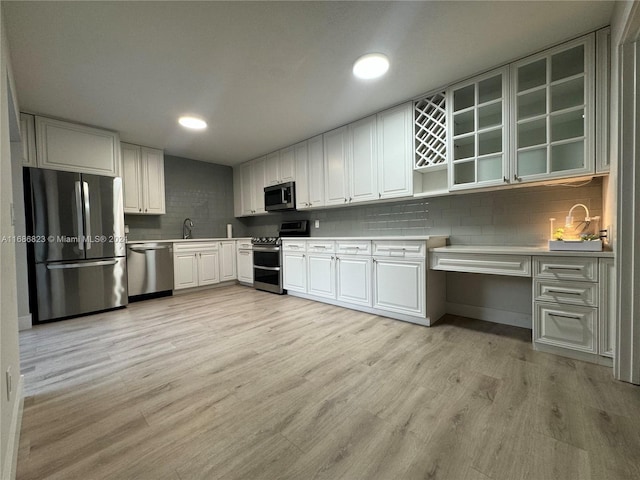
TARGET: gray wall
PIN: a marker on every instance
(518, 216)
(197, 190)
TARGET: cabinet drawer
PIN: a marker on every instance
(195, 246)
(245, 245)
(566, 268)
(294, 246)
(573, 293)
(512, 265)
(353, 248)
(408, 249)
(566, 326)
(321, 246)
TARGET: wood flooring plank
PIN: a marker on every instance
(232, 383)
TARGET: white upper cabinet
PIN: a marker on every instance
(552, 107)
(251, 182)
(76, 148)
(309, 168)
(395, 151)
(287, 166)
(272, 169)
(28, 140)
(603, 99)
(259, 182)
(335, 166)
(316, 172)
(280, 167)
(301, 157)
(143, 180)
(478, 135)
(363, 160)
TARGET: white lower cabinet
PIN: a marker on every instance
(574, 306)
(382, 277)
(185, 270)
(566, 326)
(353, 279)
(195, 264)
(208, 267)
(398, 285)
(322, 275)
(295, 271)
(607, 324)
(244, 261)
(228, 270)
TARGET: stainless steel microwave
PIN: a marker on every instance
(280, 197)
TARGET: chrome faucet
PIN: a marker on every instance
(187, 225)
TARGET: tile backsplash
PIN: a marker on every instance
(518, 216)
(197, 190)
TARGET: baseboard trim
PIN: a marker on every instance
(25, 322)
(9, 471)
(503, 317)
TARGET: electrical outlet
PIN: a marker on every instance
(317, 224)
(9, 382)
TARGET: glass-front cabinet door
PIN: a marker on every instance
(478, 116)
(552, 101)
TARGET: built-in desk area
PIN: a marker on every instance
(573, 293)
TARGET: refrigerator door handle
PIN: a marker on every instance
(61, 266)
(87, 213)
(79, 216)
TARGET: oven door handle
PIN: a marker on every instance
(271, 269)
(257, 248)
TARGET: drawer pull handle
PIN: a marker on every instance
(563, 292)
(575, 269)
(572, 317)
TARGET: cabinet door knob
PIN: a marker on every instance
(350, 199)
(145, 209)
(505, 179)
(139, 209)
(379, 195)
(517, 178)
(345, 200)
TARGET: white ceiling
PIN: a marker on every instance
(264, 74)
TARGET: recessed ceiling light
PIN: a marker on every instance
(372, 65)
(193, 123)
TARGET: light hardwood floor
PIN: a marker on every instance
(232, 383)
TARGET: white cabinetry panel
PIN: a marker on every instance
(143, 179)
(295, 271)
(335, 166)
(321, 275)
(399, 285)
(354, 280)
(228, 261)
(77, 148)
(245, 266)
(28, 139)
(567, 326)
(363, 161)
(395, 151)
(608, 314)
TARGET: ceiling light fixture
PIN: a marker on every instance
(193, 123)
(371, 65)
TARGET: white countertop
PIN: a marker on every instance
(373, 238)
(182, 240)
(504, 250)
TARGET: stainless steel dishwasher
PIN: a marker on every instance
(149, 267)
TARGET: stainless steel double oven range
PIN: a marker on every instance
(267, 256)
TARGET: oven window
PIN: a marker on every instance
(272, 277)
(266, 259)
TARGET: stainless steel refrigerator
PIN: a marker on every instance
(76, 249)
